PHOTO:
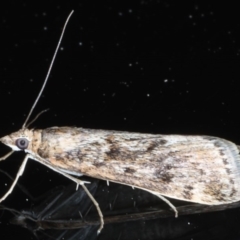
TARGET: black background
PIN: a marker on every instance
(168, 67)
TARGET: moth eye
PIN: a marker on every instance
(22, 143)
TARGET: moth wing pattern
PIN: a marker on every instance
(198, 169)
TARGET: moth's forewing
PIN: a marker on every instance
(199, 169)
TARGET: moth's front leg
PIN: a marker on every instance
(19, 173)
(7, 155)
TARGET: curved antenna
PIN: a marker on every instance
(38, 115)
(49, 70)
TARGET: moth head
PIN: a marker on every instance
(19, 140)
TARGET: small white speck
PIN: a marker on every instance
(148, 95)
(124, 118)
(120, 13)
(44, 14)
(136, 63)
(5, 184)
(45, 28)
(26, 199)
(80, 43)
(189, 223)
(130, 10)
(130, 64)
(190, 16)
(61, 48)
(165, 80)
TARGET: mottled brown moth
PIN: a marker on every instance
(200, 169)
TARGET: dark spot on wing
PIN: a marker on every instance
(133, 139)
(225, 161)
(228, 171)
(163, 175)
(233, 192)
(187, 194)
(202, 172)
(163, 141)
(168, 167)
(113, 153)
(152, 145)
(97, 144)
(217, 144)
(155, 144)
(188, 187)
(59, 157)
(130, 170)
(110, 139)
(99, 164)
(221, 152)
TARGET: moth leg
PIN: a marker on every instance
(97, 207)
(6, 156)
(19, 174)
(166, 201)
(79, 182)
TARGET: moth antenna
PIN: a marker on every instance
(48, 72)
(38, 115)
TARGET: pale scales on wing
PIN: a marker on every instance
(199, 169)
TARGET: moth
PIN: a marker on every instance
(200, 169)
